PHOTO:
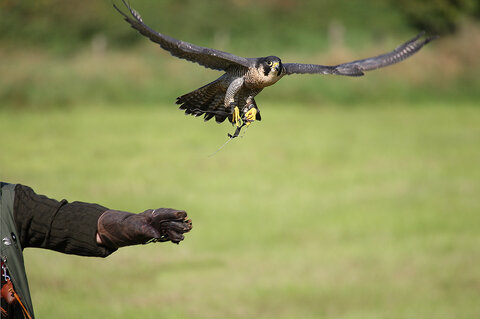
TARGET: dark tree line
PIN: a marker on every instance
(68, 24)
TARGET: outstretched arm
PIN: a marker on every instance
(79, 228)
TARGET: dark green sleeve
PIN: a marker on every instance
(69, 228)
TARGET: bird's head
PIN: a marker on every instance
(271, 66)
(269, 70)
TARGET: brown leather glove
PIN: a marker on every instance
(117, 229)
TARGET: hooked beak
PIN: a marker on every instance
(276, 66)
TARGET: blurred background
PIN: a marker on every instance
(352, 198)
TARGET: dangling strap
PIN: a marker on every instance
(237, 131)
(10, 292)
(17, 297)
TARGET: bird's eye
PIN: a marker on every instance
(269, 63)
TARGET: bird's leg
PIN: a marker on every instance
(232, 90)
(235, 111)
(249, 113)
(235, 114)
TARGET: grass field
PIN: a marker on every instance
(327, 212)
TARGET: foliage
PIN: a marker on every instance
(439, 16)
(65, 25)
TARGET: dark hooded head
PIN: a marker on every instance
(271, 65)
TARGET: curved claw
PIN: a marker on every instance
(250, 116)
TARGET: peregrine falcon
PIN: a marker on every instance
(232, 95)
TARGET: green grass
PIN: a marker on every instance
(319, 212)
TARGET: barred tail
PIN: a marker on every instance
(208, 100)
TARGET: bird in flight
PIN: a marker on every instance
(232, 95)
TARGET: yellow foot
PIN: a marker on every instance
(250, 116)
(236, 116)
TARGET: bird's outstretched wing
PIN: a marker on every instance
(356, 68)
(209, 58)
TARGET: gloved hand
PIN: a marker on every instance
(117, 229)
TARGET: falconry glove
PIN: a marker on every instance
(117, 228)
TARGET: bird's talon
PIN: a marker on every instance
(251, 115)
(236, 116)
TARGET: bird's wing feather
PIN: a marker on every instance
(209, 58)
(356, 68)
